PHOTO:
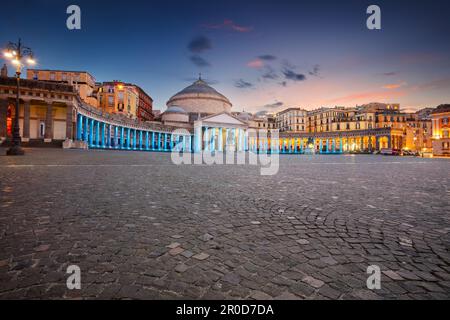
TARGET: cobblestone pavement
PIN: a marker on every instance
(140, 227)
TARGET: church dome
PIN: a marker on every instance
(199, 97)
(175, 114)
(175, 109)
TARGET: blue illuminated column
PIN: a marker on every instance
(153, 141)
(147, 144)
(91, 132)
(102, 133)
(108, 135)
(165, 142)
(134, 139)
(320, 146)
(86, 130)
(79, 127)
(97, 133)
(333, 146)
(140, 139)
(121, 143)
(159, 141)
(341, 146)
(116, 138)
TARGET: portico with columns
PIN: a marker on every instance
(46, 110)
(220, 132)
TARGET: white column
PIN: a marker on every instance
(220, 144)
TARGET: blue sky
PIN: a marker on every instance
(264, 55)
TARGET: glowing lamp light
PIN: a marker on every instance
(8, 54)
(120, 86)
(16, 62)
(31, 61)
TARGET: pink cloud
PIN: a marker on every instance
(256, 63)
(228, 24)
(364, 97)
(394, 85)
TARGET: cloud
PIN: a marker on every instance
(274, 105)
(242, 84)
(315, 71)
(290, 74)
(394, 85)
(259, 62)
(269, 74)
(363, 97)
(199, 61)
(256, 63)
(267, 57)
(199, 44)
(389, 74)
(229, 25)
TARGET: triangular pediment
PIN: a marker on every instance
(224, 118)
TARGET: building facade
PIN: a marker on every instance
(83, 82)
(441, 130)
(292, 119)
(144, 106)
(118, 98)
(46, 111)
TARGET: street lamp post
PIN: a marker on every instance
(19, 56)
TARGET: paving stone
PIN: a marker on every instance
(181, 268)
(176, 251)
(201, 256)
(187, 253)
(173, 245)
(316, 283)
(259, 295)
(287, 296)
(393, 275)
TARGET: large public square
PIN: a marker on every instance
(141, 227)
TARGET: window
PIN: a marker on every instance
(35, 76)
(52, 76)
(444, 120)
(110, 101)
(64, 77)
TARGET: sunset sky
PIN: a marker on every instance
(263, 55)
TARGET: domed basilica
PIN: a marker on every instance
(199, 100)
(202, 108)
